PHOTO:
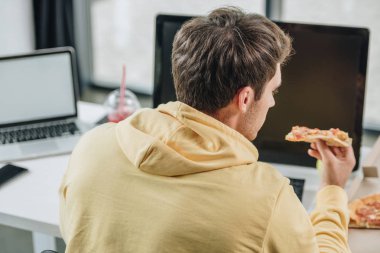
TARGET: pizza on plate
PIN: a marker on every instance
(333, 137)
(365, 212)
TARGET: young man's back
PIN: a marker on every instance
(168, 180)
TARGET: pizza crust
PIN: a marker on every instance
(354, 218)
(328, 137)
(330, 140)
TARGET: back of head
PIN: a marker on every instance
(214, 56)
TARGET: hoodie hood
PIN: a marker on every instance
(175, 140)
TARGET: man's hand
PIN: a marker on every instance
(337, 162)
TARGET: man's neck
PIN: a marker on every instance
(227, 116)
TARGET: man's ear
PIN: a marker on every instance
(244, 98)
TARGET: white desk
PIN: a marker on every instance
(31, 201)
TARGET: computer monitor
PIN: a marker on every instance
(166, 28)
(323, 85)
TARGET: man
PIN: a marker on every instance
(185, 177)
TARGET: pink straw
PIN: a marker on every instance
(122, 91)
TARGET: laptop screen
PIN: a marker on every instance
(36, 87)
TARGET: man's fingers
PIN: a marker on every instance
(348, 154)
(348, 151)
(324, 150)
(338, 151)
(314, 153)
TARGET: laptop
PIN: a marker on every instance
(38, 110)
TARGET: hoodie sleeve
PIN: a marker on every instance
(292, 230)
(330, 219)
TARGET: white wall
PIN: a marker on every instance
(16, 26)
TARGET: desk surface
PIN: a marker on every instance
(31, 200)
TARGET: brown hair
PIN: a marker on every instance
(214, 56)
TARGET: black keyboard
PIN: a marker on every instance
(21, 134)
(298, 185)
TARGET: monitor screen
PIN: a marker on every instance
(323, 85)
(166, 28)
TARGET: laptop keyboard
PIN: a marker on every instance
(36, 132)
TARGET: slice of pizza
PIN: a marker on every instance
(333, 137)
(365, 212)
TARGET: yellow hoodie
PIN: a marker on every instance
(173, 179)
